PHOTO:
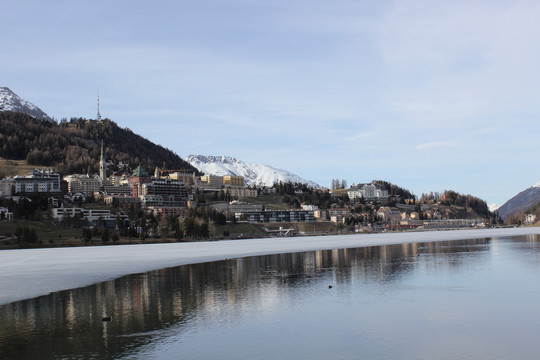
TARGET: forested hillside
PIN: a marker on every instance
(449, 198)
(519, 216)
(394, 189)
(74, 146)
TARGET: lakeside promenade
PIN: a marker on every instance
(30, 273)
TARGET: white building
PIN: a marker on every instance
(119, 180)
(530, 218)
(5, 215)
(272, 216)
(89, 214)
(84, 184)
(388, 214)
(369, 192)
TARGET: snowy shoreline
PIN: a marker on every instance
(30, 273)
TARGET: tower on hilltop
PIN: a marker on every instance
(102, 173)
(98, 114)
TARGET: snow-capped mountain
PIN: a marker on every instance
(9, 101)
(521, 201)
(254, 174)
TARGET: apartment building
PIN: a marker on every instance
(272, 216)
(83, 184)
(369, 192)
(39, 181)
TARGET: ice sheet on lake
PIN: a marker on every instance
(30, 273)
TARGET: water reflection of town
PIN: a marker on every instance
(71, 323)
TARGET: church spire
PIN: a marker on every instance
(102, 164)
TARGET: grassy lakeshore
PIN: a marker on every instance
(51, 235)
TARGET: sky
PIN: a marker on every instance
(429, 95)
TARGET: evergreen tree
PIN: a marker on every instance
(105, 235)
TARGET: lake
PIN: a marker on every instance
(460, 299)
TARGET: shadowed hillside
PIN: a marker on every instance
(521, 202)
(74, 146)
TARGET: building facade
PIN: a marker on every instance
(137, 179)
(171, 192)
(212, 181)
(184, 176)
(83, 184)
(273, 216)
(7, 187)
(117, 190)
(233, 180)
(240, 192)
(368, 192)
(94, 215)
(39, 181)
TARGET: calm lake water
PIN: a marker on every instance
(474, 299)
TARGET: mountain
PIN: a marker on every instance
(254, 174)
(9, 101)
(74, 146)
(521, 201)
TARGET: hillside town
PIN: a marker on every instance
(180, 205)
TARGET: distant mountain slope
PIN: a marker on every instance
(74, 146)
(9, 101)
(254, 174)
(521, 201)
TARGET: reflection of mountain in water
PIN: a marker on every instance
(143, 306)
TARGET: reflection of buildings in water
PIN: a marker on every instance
(69, 312)
(452, 255)
(141, 303)
(531, 238)
(524, 247)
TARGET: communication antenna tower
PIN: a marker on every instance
(98, 114)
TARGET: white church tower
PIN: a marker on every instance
(102, 172)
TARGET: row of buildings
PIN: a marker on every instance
(172, 193)
(167, 193)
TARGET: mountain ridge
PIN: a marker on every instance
(521, 201)
(254, 174)
(9, 101)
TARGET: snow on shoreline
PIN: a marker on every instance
(29, 273)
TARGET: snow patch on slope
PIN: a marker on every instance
(254, 174)
(9, 101)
